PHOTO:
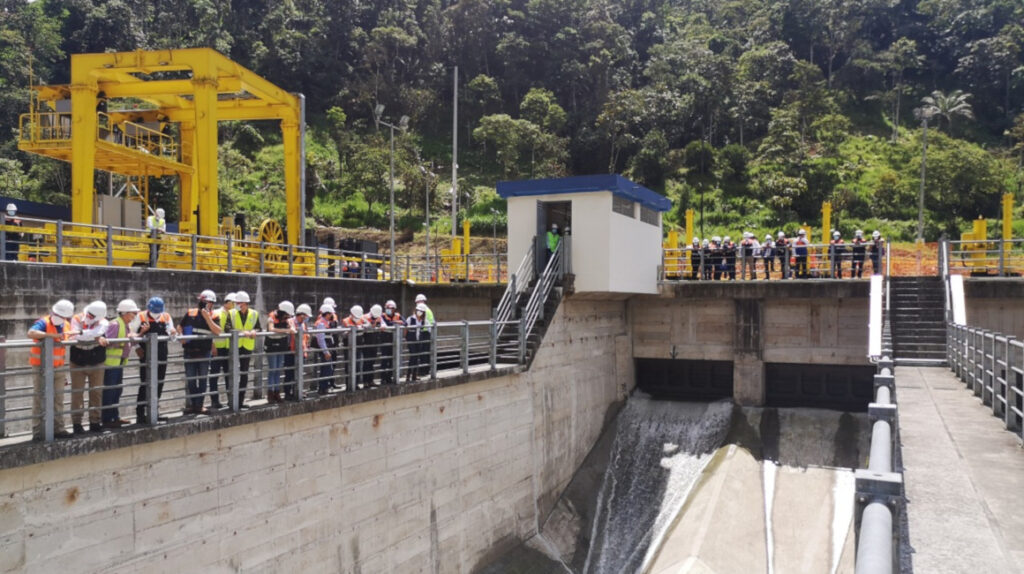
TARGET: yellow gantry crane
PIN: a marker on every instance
(193, 89)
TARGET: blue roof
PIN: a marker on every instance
(614, 183)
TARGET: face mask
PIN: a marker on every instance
(11, 213)
(57, 320)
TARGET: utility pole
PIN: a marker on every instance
(924, 163)
(455, 149)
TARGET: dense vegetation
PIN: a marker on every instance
(752, 111)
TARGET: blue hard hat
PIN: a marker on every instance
(155, 305)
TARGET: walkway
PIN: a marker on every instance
(964, 477)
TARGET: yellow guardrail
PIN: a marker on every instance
(55, 127)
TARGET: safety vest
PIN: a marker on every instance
(221, 317)
(300, 329)
(153, 223)
(35, 357)
(553, 240)
(115, 352)
(247, 343)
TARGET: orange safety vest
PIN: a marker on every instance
(301, 330)
(35, 357)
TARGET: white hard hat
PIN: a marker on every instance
(421, 298)
(160, 212)
(12, 207)
(554, 226)
(330, 301)
(64, 308)
(876, 234)
(326, 308)
(767, 236)
(208, 295)
(97, 309)
(356, 310)
(390, 305)
(376, 311)
(421, 308)
(127, 306)
(858, 233)
(287, 307)
(716, 239)
(696, 240)
(835, 235)
(801, 232)
(728, 239)
(230, 297)
(241, 297)
(782, 234)
(705, 243)
(304, 310)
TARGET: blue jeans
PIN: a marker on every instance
(112, 389)
(274, 363)
(196, 371)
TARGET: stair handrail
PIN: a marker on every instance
(517, 283)
(552, 272)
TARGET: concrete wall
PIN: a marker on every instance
(30, 290)
(995, 304)
(436, 481)
(810, 322)
(634, 253)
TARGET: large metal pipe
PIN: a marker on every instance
(881, 448)
(874, 548)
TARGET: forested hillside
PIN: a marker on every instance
(754, 110)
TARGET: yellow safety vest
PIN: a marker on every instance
(222, 319)
(247, 343)
(115, 352)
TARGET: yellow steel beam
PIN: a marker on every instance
(83, 146)
(293, 209)
(144, 89)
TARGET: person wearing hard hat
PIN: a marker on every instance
(552, 240)
(374, 339)
(275, 347)
(748, 248)
(421, 298)
(875, 250)
(56, 326)
(355, 323)
(116, 357)
(837, 252)
(858, 248)
(332, 318)
(198, 321)
(326, 346)
(155, 224)
(800, 249)
(298, 342)
(705, 260)
(695, 259)
(12, 239)
(88, 331)
(729, 257)
(782, 248)
(418, 336)
(153, 321)
(221, 350)
(392, 320)
(768, 254)
(247, 322)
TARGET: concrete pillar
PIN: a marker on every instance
(748, 360)
(748, 380)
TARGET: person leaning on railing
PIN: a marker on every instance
(247, 322)
(393, 319)
(356, 324)
(374, 338)
(152, 320)
(12, 238)
(275, 347)
(116, 357)
(298, 337)
(54, 326)
(325, 345)
(875, 250)
(87, 364)
(198, 321)
(222, 351)
(418, 336)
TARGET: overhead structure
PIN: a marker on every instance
(154, 113)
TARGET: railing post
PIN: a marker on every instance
(3, 238)
(194, 252)
(152, 356)
(291, 259)
(522, 341)
(60, 241)
(408, 259)
(3, 386)
(236, 404)
(362, 267)
(300, 367)
(1002, 257)
(1011, 384)
(263, 259)
(231, 251)
(437, 269)
(48, 390)
(494, 344)
(316, 262)
(110, 247)
(465, 277)
(464, 355)
(396, 354)
(352, 365)
(433, 352)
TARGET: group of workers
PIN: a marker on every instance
(718, 258)
(99, 348)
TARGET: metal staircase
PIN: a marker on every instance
(918, 320)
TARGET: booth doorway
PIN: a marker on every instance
(548, 213)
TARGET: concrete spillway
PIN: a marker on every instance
(678, 487)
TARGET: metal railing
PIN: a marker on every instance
(42, 128)
(997, 258)
(34, 404)
(992, 366)
(554, 271)
(819, 262)
(473, 268)
(518, 283)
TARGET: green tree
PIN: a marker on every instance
(948, 106)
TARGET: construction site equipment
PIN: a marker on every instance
(154, 113)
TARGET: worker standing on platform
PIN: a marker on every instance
(552, 241)
(695, 259)
(421, 298)
(56, 326)
(247, 322)
(392, 319)
(12, 239)
(717, 261)
(782, 252)
(837, 252)
(222, 351)
(729, 257)
(748, 246)
(375, 337)
(88, 330)
(876, 250)
(800, 246)
(152, 321)
(325, 347)
(356, 324)
(155, 225)
(275, 347)
(706, 264)
(116, 357)
(337, 339)
(858, 247)
(418, 336)
(198, 321)
(298, 342)
(768, 254)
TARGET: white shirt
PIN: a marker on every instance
(88, 333)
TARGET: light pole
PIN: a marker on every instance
(403, 124)
(428, 175)
(494, 230)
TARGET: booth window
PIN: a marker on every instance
(622, 206)
(648, 215)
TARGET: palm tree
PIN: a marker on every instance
(948, 106)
